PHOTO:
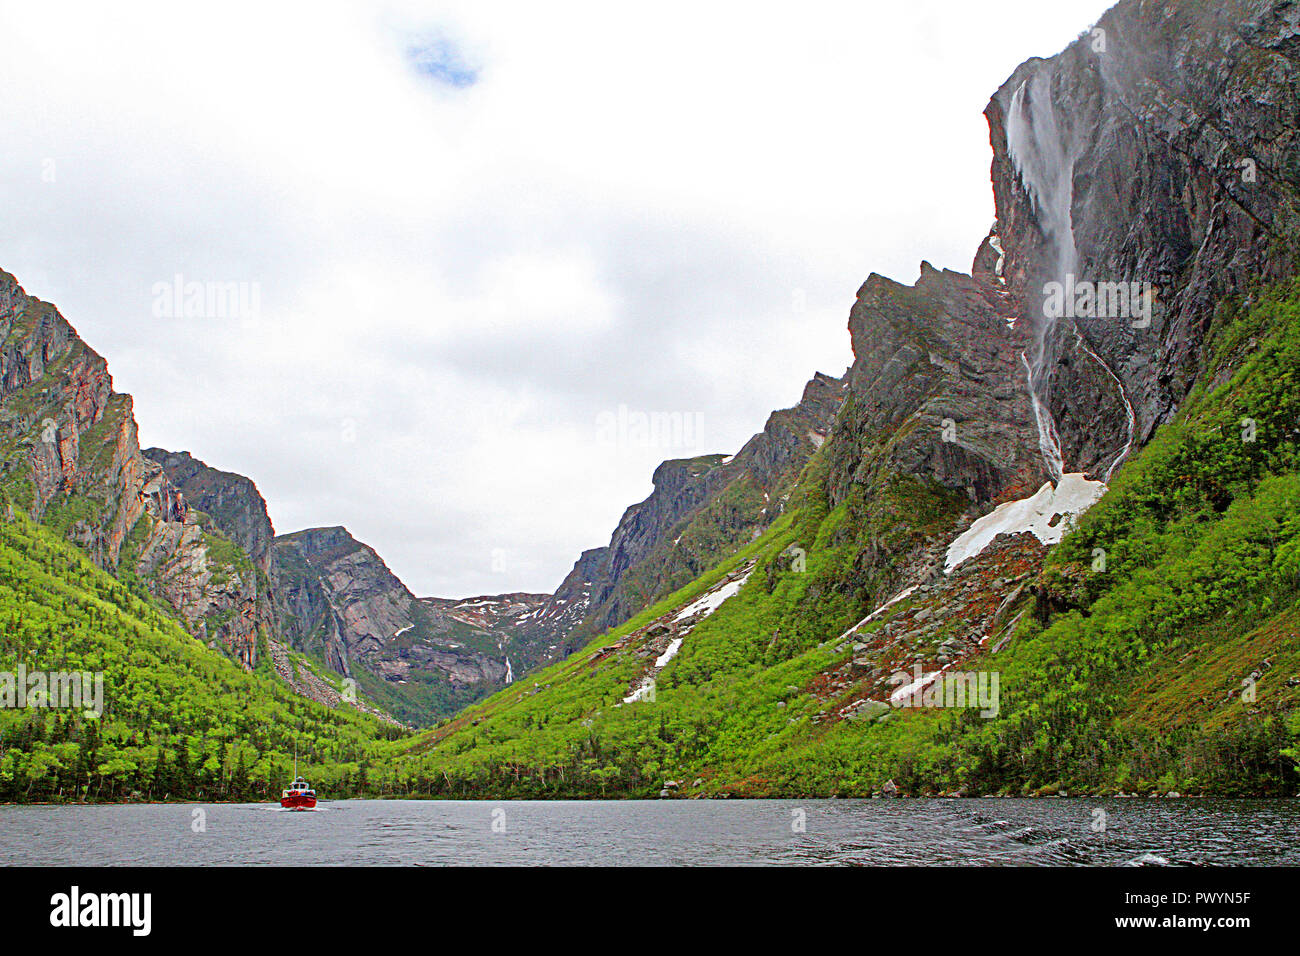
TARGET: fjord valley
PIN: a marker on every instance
(1041, 537)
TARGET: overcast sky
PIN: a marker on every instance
(468, 234)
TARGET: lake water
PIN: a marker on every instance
(663, 832)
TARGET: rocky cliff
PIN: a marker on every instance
(420, 657)
(233, 501)
(700, 510)
(326, 594)
(1146, 183)
(937, 388)
(71, 458)
(1159, 149)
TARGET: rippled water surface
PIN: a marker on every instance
(659, 833)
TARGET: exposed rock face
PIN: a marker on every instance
(72, 459)
(518, 623)
(322, 592)
(367, 601)
(937, 388)
(337, 597)
(1175, 141)
(307, 684)
(1162, 151)
(233, 501)
(700, 510)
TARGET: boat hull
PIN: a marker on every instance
(298, 802)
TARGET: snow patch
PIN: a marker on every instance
(713, 599)
(901, 595)
(642, 692)
(1046, 514)
(704, 606)
(904, 693)
(669, 654)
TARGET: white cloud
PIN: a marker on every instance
(623, 208)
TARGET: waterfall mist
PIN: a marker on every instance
(1044, 156)
(1045, 163)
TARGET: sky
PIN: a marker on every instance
(421, 269)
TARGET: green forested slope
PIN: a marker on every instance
(180, 721)
(1172, 664)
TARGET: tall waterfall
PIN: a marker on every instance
(1045, 164)
(1044, 157)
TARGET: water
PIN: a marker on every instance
(1053, 832)
(1045, 165)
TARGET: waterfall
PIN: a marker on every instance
(1048, 441)
(1045, 165)
(1044, 157)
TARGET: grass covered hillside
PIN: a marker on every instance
(179, 720)
(1155, 649)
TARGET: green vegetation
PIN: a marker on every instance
(1169, 664)
(1159, 652)
(179, 721)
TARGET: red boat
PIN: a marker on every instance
(300, 795)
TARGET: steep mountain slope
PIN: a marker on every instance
(71, 459)
(341, 596)
(333, 599)
(701, 509)
(160, 715)
(1161, 150)
(1169, 665)
(978, 429)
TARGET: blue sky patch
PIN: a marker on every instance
(440, 60)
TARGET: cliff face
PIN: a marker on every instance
(1157, 155)
(71, 458)
(233, 501)
(700, 510)
(322, 592)
(937, 388)
(338, 598)
(1160, 149)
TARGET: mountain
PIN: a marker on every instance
(419, 658)
(1042, 537)
(1050, 540)
(156, 714)
(701, 509)
(72, 460)
(1176, 144)
(334, 599)
(202, 541)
